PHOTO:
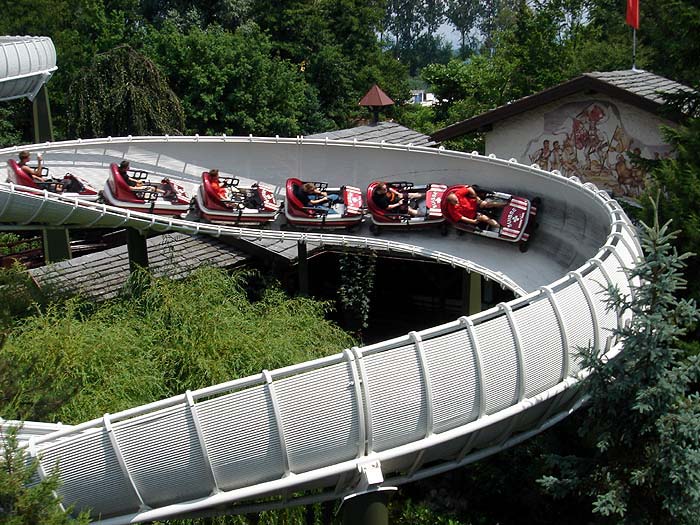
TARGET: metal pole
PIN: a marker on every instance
(137, 248)
(369, 508)
(43, 127)
(56, 245)
(471, 292)
(634, 49)
(303, 268)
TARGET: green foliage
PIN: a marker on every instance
(22, 501)
(10, 123)
(162, 338)
(229, 82)
(20, 297)
(410, 513)
(644, 415)
(678, 179)
(357, 280)
(668, 38)
(122, 93)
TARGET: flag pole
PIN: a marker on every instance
(634, 49)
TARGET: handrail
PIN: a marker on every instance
(421, 361)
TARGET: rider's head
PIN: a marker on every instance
(214, 173)
(452, 199)
(124, 166)
(309, 187)
(24, 156)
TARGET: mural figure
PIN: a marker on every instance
(569, 157)
(541, 156)
(555, 163)
(589, 140)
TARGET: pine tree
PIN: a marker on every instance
(644, 409)
(23, 502)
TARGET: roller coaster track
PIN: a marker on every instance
(26, 63)
(380, 415)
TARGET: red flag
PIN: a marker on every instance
(633, 13)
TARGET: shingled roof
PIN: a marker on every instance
(390, 132)
(636, 87)
(101, 275)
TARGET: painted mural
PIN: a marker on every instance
(590, 140)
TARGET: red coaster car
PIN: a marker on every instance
(160, 198)
(70, 185)
(345, 212)
(516, 219)
(250, 205)
(427, 210)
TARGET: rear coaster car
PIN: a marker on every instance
(70, 185)
(516, 219)
(346, 213)
(244, 205)
(429, 210)
(160, 198)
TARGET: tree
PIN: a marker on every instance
(644, 409)
(22, 500)
(464, 16)
(231, 83)
(123, 93)
(678, 179)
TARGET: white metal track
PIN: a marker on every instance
(418, 404)
(26, 63)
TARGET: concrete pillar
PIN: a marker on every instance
(56, 245)
(138, 250)
(43, 126)
(369, 508)
(471, 292)
(303, 268)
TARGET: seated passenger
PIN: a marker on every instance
(463, 205)
(71, 184)
(169, 190)
(34, 173)
(389, 199)
(312, 197)
(216, 185)
(123, 171)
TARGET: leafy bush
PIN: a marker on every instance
(161, 338)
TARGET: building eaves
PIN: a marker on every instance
(638, 88)
(390, 132)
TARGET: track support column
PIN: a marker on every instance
(303, 267)
(43, 126)
(369, 508)
(137, 248)
(471, 292)
(56, 245)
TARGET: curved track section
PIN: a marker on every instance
(26, 63)
(402, 409)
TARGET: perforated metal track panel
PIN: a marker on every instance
(416, 405)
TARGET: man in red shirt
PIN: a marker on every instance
(216, 185)
(463, 206)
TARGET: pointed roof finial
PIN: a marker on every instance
(376, 97)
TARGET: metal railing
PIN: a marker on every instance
(419, 404)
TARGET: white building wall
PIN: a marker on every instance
(602, 135)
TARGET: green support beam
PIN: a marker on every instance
(138, 250)
(471, 292)
(56, 245)
(369, 508)
(43, 126)
(303, 268)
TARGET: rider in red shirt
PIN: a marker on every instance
(463, 206)
(216, 184)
